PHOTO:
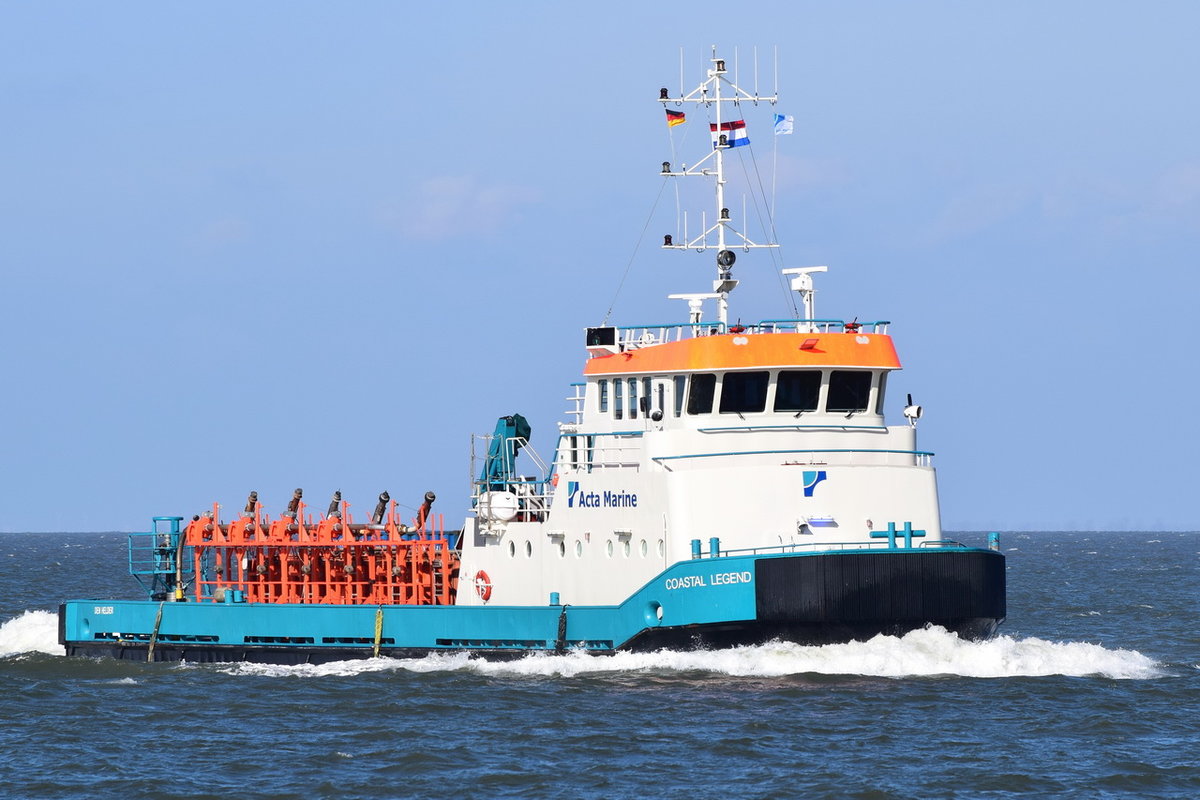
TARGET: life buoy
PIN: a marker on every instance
(483, 586)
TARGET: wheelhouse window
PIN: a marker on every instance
(744, 392)
(700, 395)
(633, 394)
(798, 390)
(618, 398)
(680, 387)
(879, 392)
(848, 391)
(603, 386)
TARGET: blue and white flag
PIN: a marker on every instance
(734, 133)
(783, 124)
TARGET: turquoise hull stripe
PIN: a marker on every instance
(703, 591)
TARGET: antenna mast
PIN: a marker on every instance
(715, 92)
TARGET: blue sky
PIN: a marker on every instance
(261, 246)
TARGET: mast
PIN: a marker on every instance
(716, 92)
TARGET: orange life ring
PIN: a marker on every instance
(483, 586)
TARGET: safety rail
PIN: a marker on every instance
(819, 326)
(591, 450)
(524, 499)
(633, 337)
(948, 544)
(920, 458)
(532, 493)
(156, 558)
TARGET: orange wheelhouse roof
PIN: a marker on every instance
(750, 351)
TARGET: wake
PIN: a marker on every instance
(32, 632)
(926, 653)
(930, 652)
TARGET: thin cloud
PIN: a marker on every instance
(1167, 200)
(450, 205)
(976, 210)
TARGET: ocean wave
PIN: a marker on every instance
(32, 632)
(932, 652)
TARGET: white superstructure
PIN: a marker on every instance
(763, 435)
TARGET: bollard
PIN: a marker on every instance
(714, 547)
(695, 548)
(554, 599)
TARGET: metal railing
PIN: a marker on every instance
(920, 458)
(878, 544)
(592, 450)
(157, 560)
(633, 337)
(533, 492)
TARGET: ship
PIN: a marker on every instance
(713, 485)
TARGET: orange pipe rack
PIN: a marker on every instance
(289, 560)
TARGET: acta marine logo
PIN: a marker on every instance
(577, 497)
(811, 479)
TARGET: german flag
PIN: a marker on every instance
(675, 118)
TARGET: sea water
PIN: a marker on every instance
(1091, 690)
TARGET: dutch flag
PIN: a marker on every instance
(734, 133)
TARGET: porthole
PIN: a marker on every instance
(512, 549)
(578, 549)
(626, 548)
(644, 548)
(660, 547)
(562, 549)
(529, 549)
(608, 548)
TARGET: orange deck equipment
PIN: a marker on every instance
(335, 561)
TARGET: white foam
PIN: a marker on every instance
(924, 653)
(32, 632)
